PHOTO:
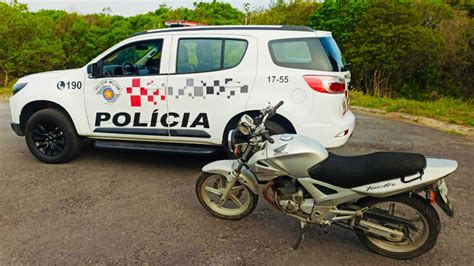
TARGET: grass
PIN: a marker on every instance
(454, 111)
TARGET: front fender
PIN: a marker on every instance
(42, 87)
(225, 167)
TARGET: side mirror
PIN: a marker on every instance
(92, 70)
(95, 70)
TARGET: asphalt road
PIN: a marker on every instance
(132, 207)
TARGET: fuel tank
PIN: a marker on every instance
(290, 154)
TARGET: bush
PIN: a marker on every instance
(33, 42)
(410, 49)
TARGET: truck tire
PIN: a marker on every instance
(51, 136)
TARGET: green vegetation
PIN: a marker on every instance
(420, 50)
(414, 49)
(296, 12)
(32, 42)
(5, 92)
(446, 109)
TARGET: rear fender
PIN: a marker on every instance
(225, 167)
(435, 169)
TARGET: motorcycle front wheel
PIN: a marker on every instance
(240, 203)
(417, 240)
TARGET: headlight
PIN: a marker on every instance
(17, 87)
(245, 125)
(235, 138)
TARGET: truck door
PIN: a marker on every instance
(129, 98)
(209, 83)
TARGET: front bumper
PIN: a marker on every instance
(18, 130)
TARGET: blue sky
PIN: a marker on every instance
(126, 7)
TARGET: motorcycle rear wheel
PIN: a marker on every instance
(416, 242)
(241, 202)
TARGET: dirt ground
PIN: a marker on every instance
(132, 207)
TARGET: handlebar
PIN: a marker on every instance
(272, 111)
(267, 136)
(278, 105)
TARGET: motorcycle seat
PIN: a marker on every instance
(354, 171)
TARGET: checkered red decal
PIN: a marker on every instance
(139, 94)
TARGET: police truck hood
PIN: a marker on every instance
(47, 75)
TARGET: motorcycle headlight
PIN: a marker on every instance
(235, 138)
(245, 125)
(17, 87)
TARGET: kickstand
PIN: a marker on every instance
(304, 228)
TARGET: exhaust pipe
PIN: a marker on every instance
(269, 197)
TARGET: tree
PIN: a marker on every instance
(416, 49)
(296, 12)
(217, 13)
(411, 49)
(25, 44)
(338, 18)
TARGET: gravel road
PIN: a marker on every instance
(132, 207)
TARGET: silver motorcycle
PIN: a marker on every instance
(378, 195)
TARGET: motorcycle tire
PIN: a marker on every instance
(427, 216)
(222, 212)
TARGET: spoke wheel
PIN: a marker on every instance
(239, 203)
(417, 239)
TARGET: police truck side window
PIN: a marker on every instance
(136, 59)
(234, 51)
(204, 55)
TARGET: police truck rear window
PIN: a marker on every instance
(307, 53)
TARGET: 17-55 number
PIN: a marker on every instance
(277, 79)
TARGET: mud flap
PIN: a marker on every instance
(444, 203)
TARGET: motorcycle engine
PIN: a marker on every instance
(289, 196)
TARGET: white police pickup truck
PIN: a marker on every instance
(183, 89)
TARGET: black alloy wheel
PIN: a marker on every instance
(49, 139)
(51, 136)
